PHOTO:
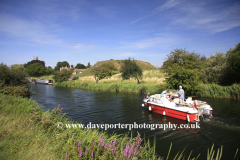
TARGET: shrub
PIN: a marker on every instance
(12, 80)
(62, 76)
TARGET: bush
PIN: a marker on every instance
(62, 76)
(12, 80)
(17, 91)
(35, 69)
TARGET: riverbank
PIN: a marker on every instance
(29, 133)
(217, 91)
(112, 86)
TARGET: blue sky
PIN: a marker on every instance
(82, 31)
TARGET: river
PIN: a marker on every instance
(113, 108)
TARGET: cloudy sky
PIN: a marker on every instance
(82, 31)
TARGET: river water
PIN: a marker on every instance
(114, 108)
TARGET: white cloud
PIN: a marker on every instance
(167, 5)
(27, 31)
(204, 18)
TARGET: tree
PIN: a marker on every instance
(49, 70)
(233, 65)
(103, 71)
(129, 68)
(215, 69)
(80, 66)
(183, 68)
(61, 64)
(88, 66)
(184, 58)
(35, 61)
(62, 76)
(35, 69)
(188, 78)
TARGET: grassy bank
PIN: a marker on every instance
(151, 78)
(112, 86)
(29, 133)
(214, 90)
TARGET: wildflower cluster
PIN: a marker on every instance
(108, 149)
(132, 150)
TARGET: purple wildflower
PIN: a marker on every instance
(92, 154)
(106, 146)
(114, 141)
(81, 152)
(138, 134)
(86, 151)
(66, 156)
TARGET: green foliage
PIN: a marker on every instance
(12, 80)
(215, 69)
(49, 71)
(180, 57)
(215, 90)
(17, 91)
(233, 65)
(35, 69)
(103, 71)
(129, 68)
(183, 68)
(88, 66)
(61, 64)
(12, 76)
(80, 66)
(188, 78)
(35, 61)
(62, 76)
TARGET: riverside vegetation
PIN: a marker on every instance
(181, 68)
(28, 133)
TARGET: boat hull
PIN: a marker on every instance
(190, 117)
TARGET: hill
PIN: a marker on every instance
(117, 64)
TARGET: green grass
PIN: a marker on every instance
(111, 86)
(217, 91)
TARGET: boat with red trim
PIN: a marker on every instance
(190, 110)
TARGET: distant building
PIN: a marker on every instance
(67, 68)
(35, 57)
(35, 60)
(76, 71)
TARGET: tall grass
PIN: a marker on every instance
(111, 86)
(214, 90)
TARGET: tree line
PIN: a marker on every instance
(37, 68)
(190, 69)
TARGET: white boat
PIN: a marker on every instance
(160, 103)
(43, 81)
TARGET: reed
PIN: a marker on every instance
(217, 91)
(108, 86)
